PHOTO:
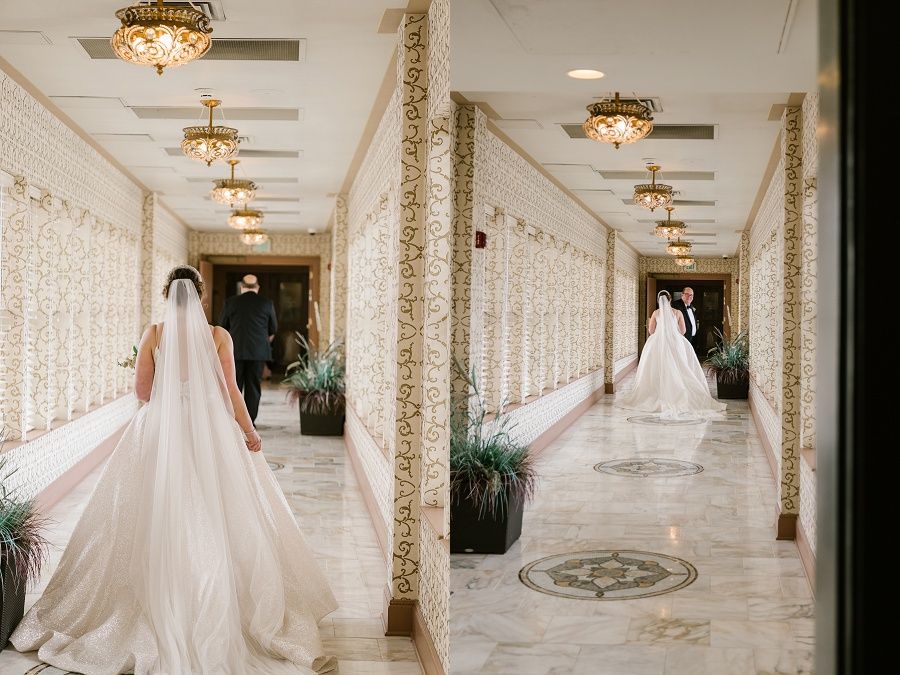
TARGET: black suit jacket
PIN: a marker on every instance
(250, 319)
(688, 328)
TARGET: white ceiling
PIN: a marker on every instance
(707, 62)
(343, 62)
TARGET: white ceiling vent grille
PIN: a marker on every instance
(222, 49)
(231, 114)
(679, 132)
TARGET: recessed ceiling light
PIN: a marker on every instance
(585, 74)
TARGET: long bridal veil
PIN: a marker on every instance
(187, 558)
(669, 379)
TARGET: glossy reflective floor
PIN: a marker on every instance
(624, 537)
(318, 481)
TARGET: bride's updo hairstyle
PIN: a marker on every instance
(664, 293)
(184, 272)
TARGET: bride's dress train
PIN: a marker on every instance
(187, 559)
(669, 379)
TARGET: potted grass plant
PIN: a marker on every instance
(316, 382)
(23, 550)
(730, 361)
(492, 477)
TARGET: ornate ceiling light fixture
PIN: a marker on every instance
(618, 121)
(245, 219)
(233, 190)
(684, 260)
(209, 143)
(160, 36)
(668, 228)
(254, 237)
(653, 195)
(679, 248)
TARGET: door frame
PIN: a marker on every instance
(209, 261)
(686, 278)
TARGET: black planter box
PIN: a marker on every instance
(473, 535)
(12, 604)
(322, 425)
(732, 389)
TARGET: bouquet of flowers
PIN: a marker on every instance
(128, 362)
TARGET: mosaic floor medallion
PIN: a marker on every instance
(657, 420)
(275, 466)
(607, 575)
(648, 467)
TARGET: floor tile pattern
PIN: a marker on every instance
(644, 467)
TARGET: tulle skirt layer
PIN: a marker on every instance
(183, 566)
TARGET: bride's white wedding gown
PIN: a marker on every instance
(669, 379)
(187, 559)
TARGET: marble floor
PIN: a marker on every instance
(318, 480)
(745, 608)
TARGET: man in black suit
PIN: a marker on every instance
(691, 323)
(250, 319)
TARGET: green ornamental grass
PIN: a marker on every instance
(316, 380)
(730, 359)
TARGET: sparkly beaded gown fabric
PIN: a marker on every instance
(187, 559)
(669, 380)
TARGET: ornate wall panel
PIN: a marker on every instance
(170, 248)
(493, 350)
(439, 103)
(743, 282)
(147, 276)
(609, 307)
(309, 245)
(438, 300)
(792, 249)
(808, 274)
(339, 243)
(434, 595)
(408, 424)
(808, 503)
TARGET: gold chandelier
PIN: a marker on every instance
(233, 190)
(653, 195)
(668, 228)
(684, 260)
(618, 121)
(159, 36)
(679, 247)
(254, 237)
(209, 143)
(245, 219)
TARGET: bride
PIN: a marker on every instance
(187, 559)
(669, 378)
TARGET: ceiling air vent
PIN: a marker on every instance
(667, 175)
(256, 179)
(681, 132)
(222, 49)
(231, 114)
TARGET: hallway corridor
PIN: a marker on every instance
(318, 481)
(740, 605)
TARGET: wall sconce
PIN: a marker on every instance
(480, 239)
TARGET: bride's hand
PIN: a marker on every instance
(253, 441)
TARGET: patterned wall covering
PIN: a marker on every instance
(434, 594)
(743, 313)
(372, 223)
(70, 239)
(609, 293)
(170, 248)
(338, 311)
(625, 303)
(439, 103)
(307, 245)
(539, 321)
(809, 271)
(808, 503)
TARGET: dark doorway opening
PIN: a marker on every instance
(288, 287)
(709, 308)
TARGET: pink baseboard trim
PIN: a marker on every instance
(618, 377)
(368, 495)
(429, 658)
(63, 485)
(807, 557)
(767, 445)
(551, 434)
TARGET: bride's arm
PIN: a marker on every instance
(681, 326)
(225, 351)
(651, 325)
(144, 368)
